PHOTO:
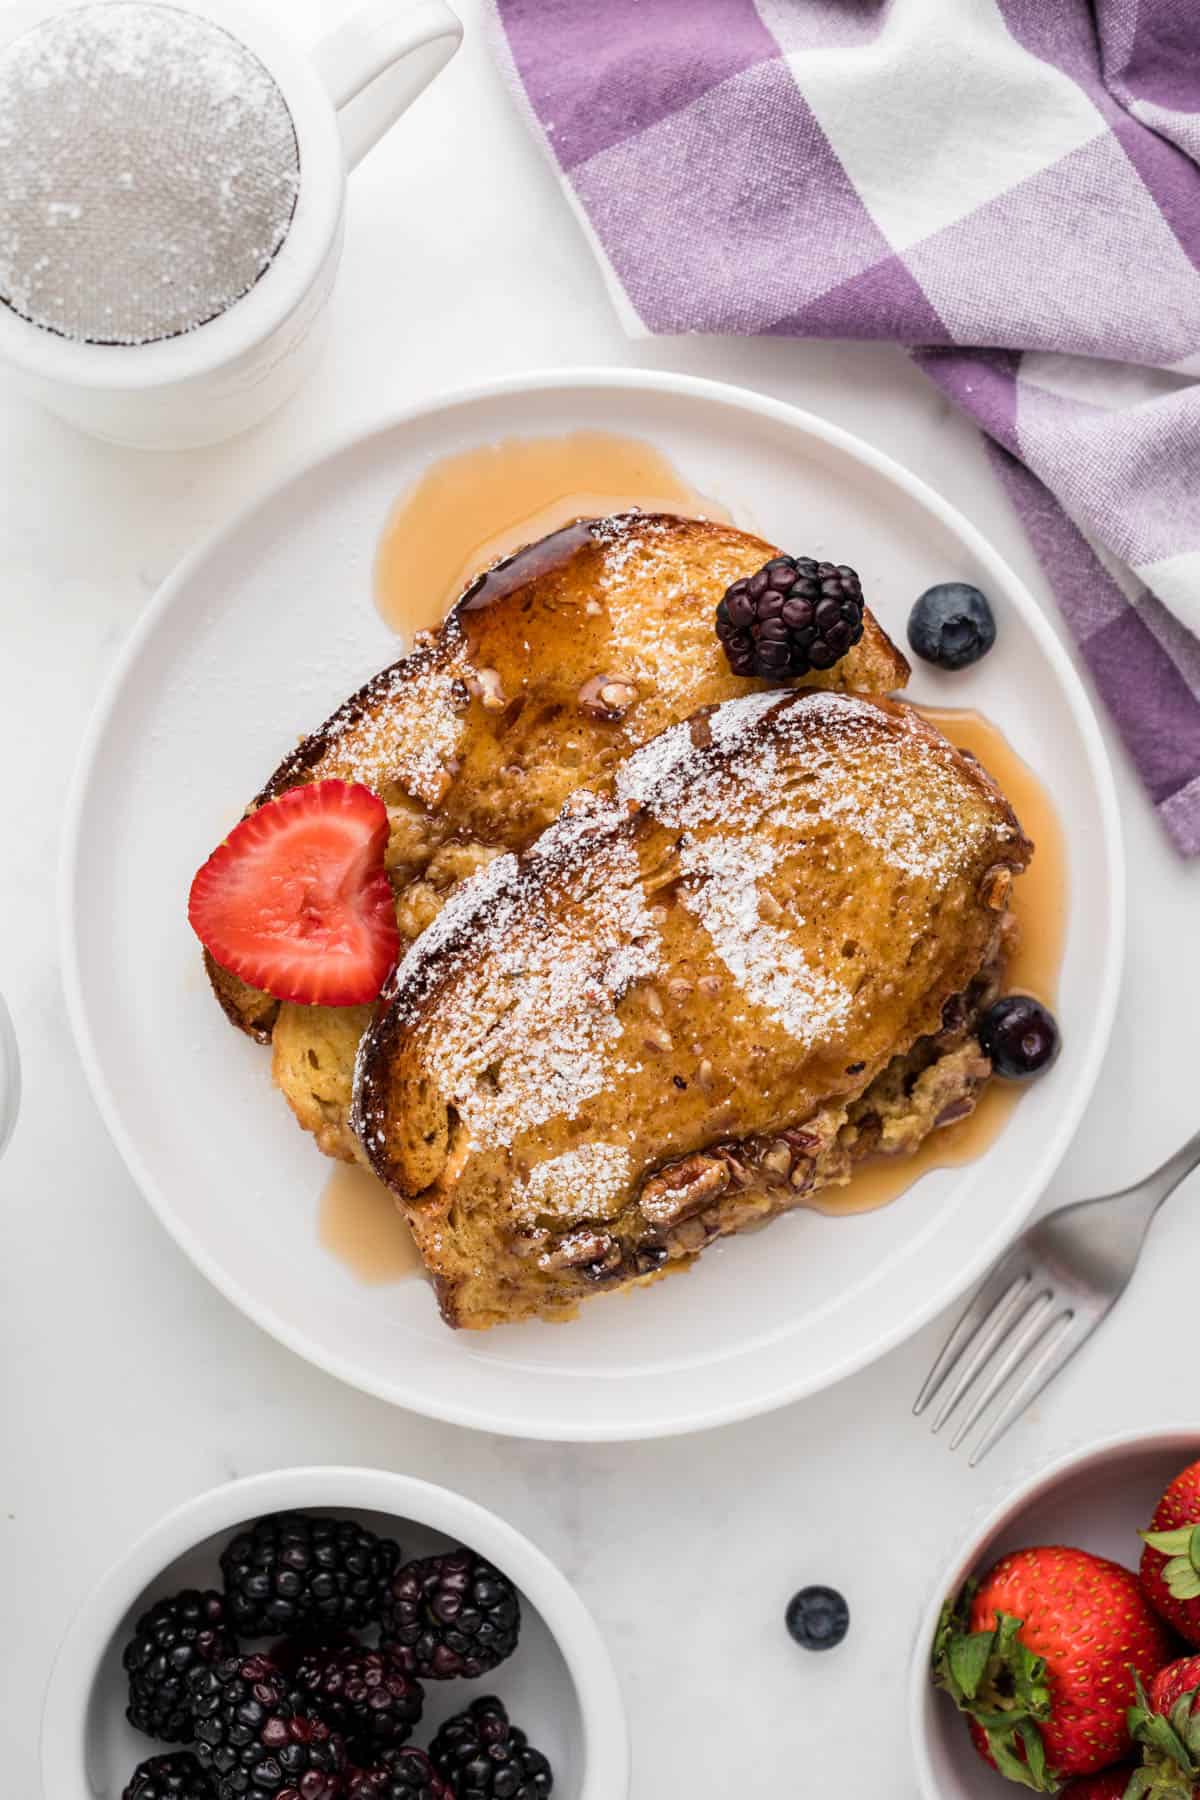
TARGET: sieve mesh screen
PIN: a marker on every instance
(148, 172)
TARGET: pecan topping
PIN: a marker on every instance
(485, 685)
(957, 1109)
(699, 730)
(684, 1188)
(607, 697)
(997, 886)
(592, 1251)
(777, 1160)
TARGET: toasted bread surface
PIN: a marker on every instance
(680, 1009)
(548, 672)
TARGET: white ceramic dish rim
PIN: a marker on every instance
(1068, 1462)
(605, 1759)
(764, 1399)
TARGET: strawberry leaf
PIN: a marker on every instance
(1170, 1769)
(1182, 1547)
(999, 1683)
(969, 1658)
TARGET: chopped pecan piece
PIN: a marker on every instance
(683, 1188)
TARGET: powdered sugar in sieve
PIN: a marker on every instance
(148, 172)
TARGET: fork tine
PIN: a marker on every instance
(1040, 1317)
(995, 1289)
(992, 1336)
(1043, 1366)
(979, 1347)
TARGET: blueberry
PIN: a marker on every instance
(818, 1618)
(1020, 1035)
(951, 625)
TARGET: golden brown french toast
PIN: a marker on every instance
(550, 669)
(701, 994)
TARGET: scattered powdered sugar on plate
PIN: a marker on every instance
(150, 172)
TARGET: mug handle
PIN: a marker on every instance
(10, 1077)
(376, 64)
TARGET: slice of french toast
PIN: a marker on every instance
(550, 669)
(696, 998)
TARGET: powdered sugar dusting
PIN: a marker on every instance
(768, 965)
(365, 743)
(151, 171)
(656, 644)
(858, 775)
(579, 1184)
(533, 1032)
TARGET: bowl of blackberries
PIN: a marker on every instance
(334, 1634)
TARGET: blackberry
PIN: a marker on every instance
(291, 1572)
(451, 1615)
(404, 1774)
(255, 1741)
(792, 616)
(173, 1638)
(365, 1695)
(175, 1777)
(483, 1757)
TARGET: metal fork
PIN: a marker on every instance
(1042, 1302)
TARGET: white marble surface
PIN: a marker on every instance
(127, 1384)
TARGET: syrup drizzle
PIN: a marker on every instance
(1039, 902)
(359, 1223)
(468, 510)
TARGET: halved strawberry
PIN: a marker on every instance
(297, 900)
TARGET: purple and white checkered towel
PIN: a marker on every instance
(1010, 187)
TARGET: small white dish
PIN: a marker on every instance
(205, 384)
(1097, 1497)
(250, 644)
(559, 1684)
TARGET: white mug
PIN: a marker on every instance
(226, 375)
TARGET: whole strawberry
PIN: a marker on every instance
(1167, 1727)
(1170, 1568)
(1041, 1655)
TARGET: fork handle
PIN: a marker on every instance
(1160, 1185)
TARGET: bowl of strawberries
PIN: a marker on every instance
(1061, 1652)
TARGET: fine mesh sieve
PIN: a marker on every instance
(149, 171)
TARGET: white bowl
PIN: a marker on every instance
(560, 1684)
(1061, 1504)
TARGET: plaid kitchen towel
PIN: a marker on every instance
(1009, 187)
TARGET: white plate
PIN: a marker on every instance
(1096, 1497)
(248, 646)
